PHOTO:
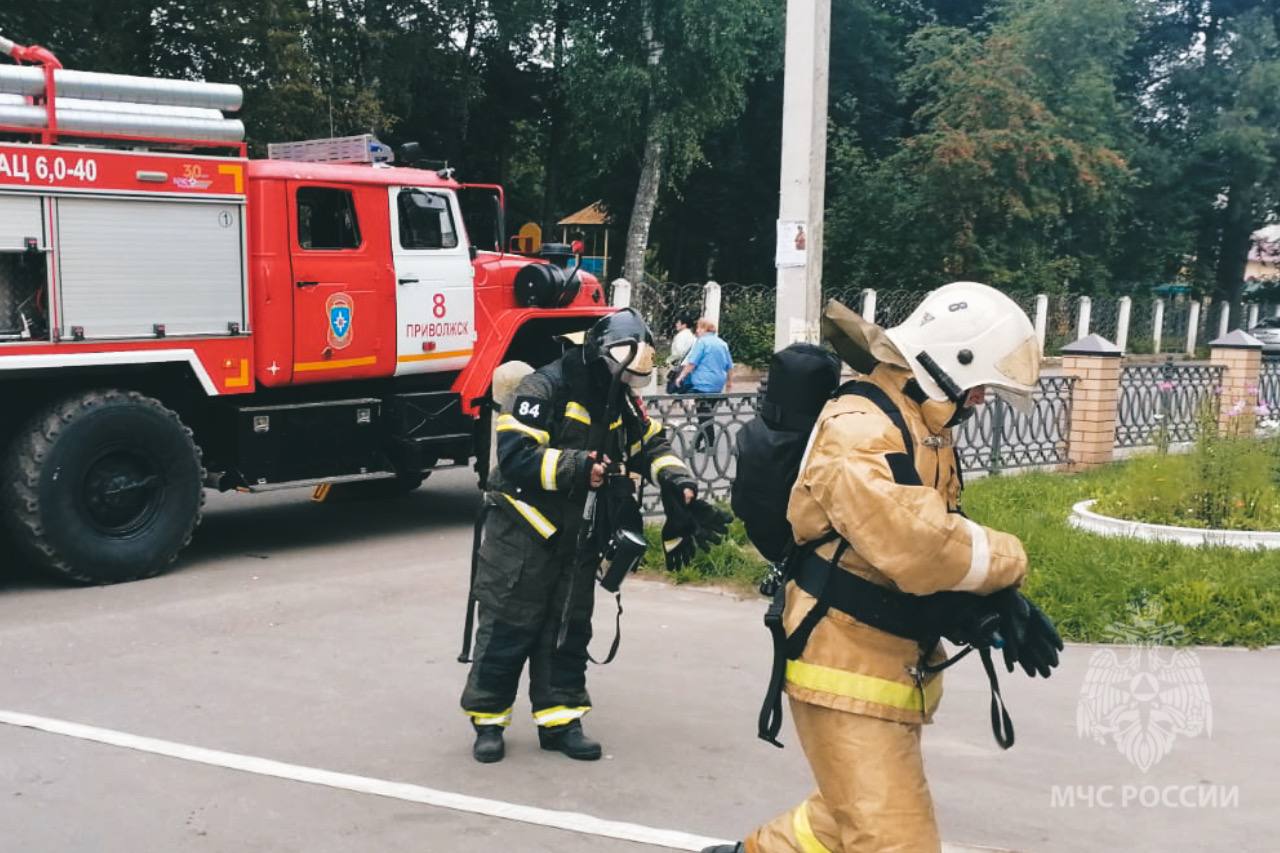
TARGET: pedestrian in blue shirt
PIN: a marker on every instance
(706, 370)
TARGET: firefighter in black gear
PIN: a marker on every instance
(533, 582)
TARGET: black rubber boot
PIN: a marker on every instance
(570, 740)
(488, 747)
(723, 848)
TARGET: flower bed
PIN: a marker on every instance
(1084, 518)
(1229, 481)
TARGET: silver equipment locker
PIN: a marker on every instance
(128, 266)
(20, 218)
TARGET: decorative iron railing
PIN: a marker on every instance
(1163, 402)
(1269, 385)
(998, 437)
(703, 430)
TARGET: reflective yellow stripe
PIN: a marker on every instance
(550, 459)
(655, 427)
(616, 423)
(559, 715)
(808, 842)
(481, 718)
(577, 412)
(669, 545)
(336, 364)
(636, 447)
(664, 462)
(508, 423)
(539, 521)
(868, 688)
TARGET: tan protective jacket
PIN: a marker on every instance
(906, 537)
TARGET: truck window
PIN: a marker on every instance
(425, 221)
(327, 219)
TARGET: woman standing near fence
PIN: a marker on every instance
(706, 370)
(680, 346)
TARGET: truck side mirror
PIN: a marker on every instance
(483, 212)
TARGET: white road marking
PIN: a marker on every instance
(577, 822)
(568, 821)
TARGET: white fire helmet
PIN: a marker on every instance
(965, 335)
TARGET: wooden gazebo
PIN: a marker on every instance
(591, 226)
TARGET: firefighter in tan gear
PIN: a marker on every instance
(888, 514)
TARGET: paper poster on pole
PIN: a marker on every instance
(792, 247)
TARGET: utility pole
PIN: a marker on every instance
(804, 166)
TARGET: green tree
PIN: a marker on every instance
(655, 77)
(1209, 74)
(1015, 170)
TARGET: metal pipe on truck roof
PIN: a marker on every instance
(80, 104)
(126, 124)
(94, 86)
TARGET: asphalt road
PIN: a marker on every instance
(325, 636)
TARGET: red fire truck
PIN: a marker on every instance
(173, 318)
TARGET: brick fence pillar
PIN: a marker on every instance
(1239, 354)
(1095, 363)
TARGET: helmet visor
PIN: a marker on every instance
(632, 362)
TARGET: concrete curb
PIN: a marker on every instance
(1082, 518)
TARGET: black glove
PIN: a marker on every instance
(711, 524)
(964, 618)
(690, 527)
(1029, 638)
(677, 532)
(1041, 647)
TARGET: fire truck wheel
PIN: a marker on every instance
(103, 487)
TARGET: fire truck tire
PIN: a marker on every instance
(102, 487)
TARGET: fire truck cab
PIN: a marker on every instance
(174, 319)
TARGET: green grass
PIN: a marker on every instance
(733, 562)
(1096, 589)
(1228, 483)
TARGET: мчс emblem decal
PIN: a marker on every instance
(339, 309)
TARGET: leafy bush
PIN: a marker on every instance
(746, 324)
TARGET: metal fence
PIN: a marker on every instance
(662, 302)
(998, 437)
(703, 430)
(1269, 385)
(1142, 326)
(1163, 402)
(747, 315)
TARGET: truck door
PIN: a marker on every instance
(435, 296)
(339, 325)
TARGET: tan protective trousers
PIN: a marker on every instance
(872, 796)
